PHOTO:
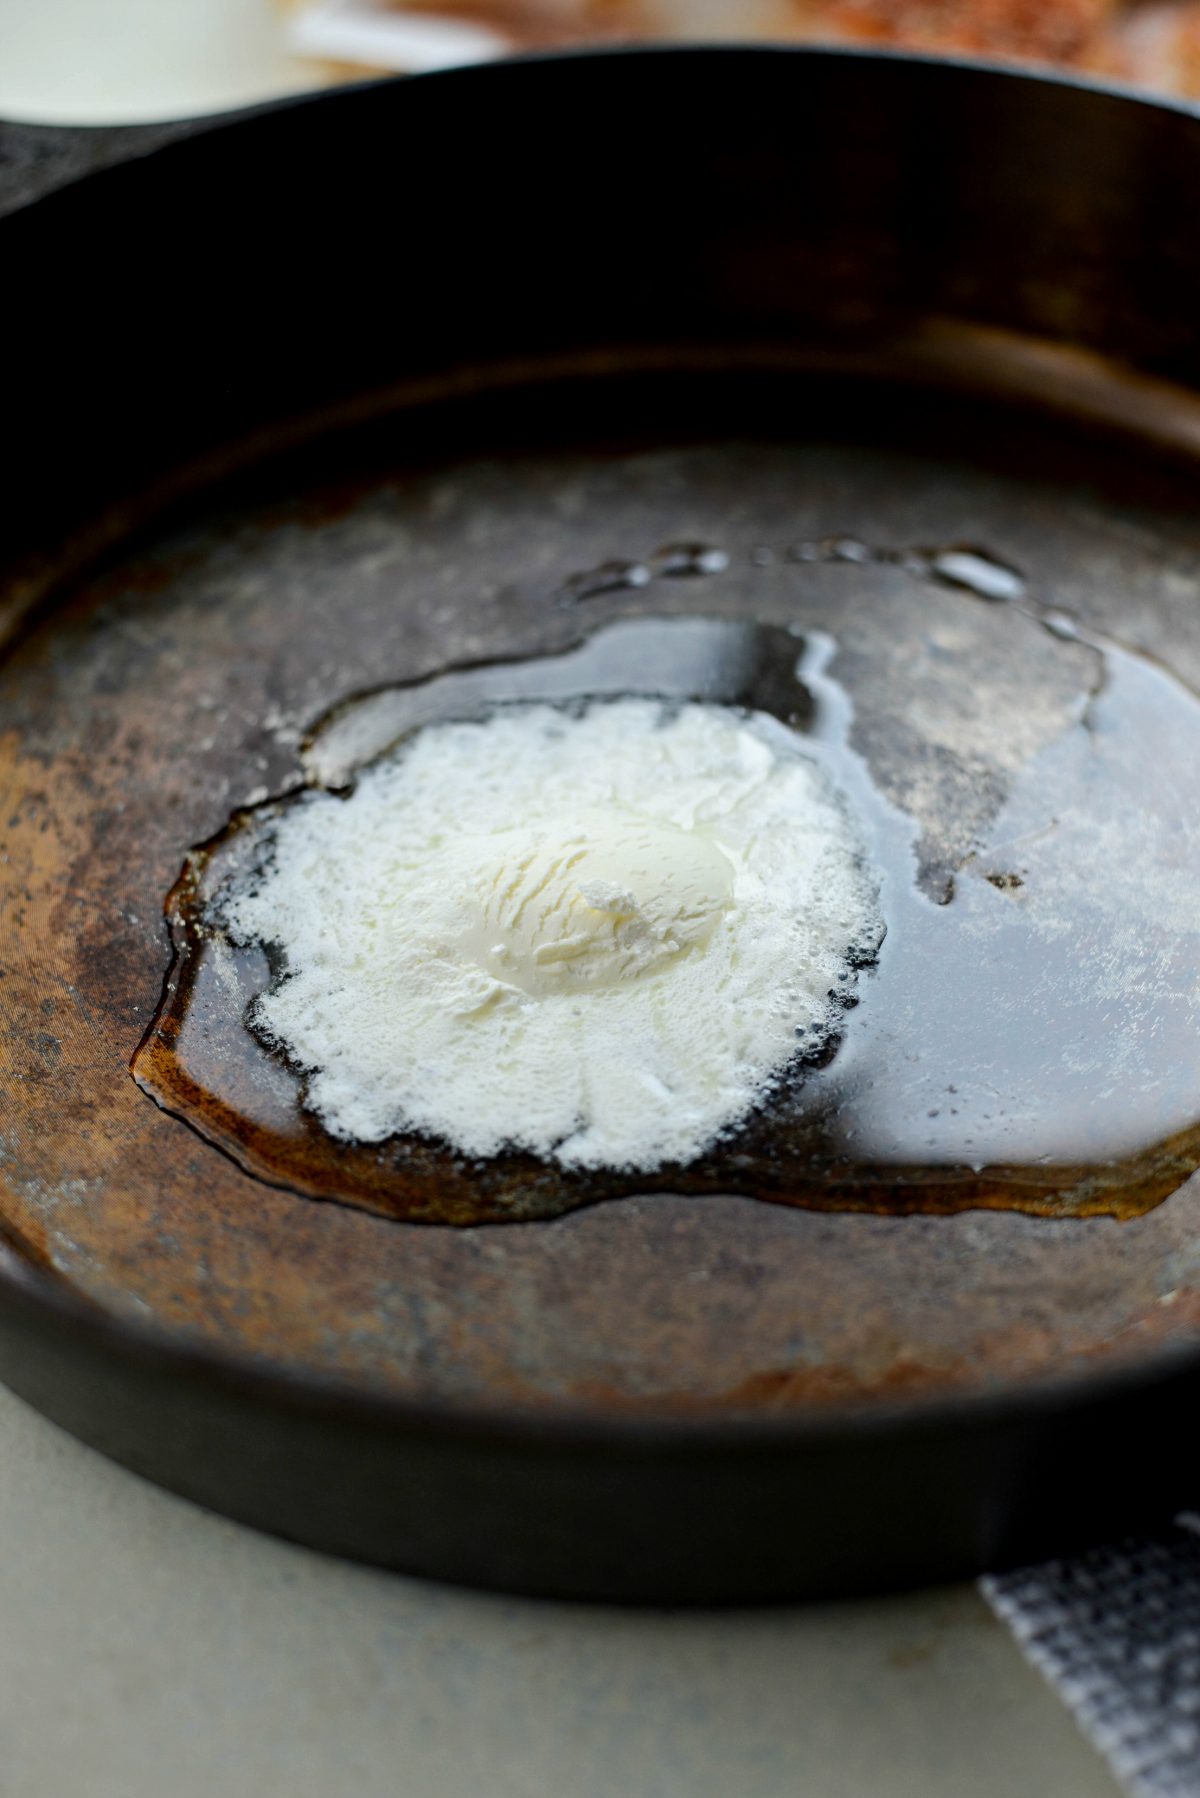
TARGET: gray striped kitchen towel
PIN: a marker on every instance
(1116, 1631)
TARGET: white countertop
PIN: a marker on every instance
(84, 62)
(149, 1650)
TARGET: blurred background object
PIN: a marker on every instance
(1158, 46)
(91, 61)
(1152, 43)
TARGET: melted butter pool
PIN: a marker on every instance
(1026, 1037)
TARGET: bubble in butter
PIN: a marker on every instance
(596, 933)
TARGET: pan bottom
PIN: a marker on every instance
(176, 684)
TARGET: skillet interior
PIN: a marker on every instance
(774, 297)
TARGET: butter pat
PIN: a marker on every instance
(591, 933)
(579, 902)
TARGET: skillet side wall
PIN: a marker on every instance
(693, 1517)
(309, 254)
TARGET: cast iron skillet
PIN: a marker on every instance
(343, 391)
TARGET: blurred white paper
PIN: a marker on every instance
(383, 37)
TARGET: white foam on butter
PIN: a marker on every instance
(592, 933)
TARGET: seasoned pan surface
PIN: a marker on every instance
(920, 510)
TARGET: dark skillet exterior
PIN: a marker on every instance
(627, 1511)
(785, 202)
